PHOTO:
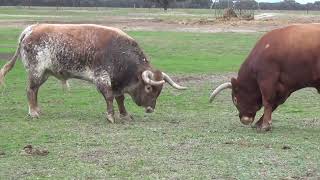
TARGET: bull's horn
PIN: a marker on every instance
(147, 75)
(219, 89)
(171, 82)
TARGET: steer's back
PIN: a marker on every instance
(67, 49)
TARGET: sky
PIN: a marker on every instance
(299, 1)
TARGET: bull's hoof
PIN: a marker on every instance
(263, 128)
(127, 117)
(110, 118)
(257, 124)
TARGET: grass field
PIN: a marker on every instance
(186, 138)
(96, 14)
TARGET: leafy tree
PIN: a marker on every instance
(246, 4)
(162, 3)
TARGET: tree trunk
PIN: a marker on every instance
(165, 4)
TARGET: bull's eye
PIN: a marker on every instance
(148, 88)
(235, 101)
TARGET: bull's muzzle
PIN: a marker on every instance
(246, 120)
(149, 109)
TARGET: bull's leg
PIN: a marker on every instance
(258, 124)
(269, 93)
(106, 91)
(34, 84)
(122, 110)
(280, 97)
(266, 118)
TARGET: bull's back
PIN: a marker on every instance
(292, 51)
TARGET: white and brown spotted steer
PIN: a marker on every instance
(105, 56)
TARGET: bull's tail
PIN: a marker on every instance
(10, 64)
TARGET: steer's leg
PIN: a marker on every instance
(65, 85)
(34, 83)
(106, 90)
(122, 110)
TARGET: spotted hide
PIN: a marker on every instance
(104, 56)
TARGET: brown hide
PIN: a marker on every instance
(283, 61)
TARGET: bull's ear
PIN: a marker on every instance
(234, 83)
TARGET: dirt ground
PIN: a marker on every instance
(263, 22)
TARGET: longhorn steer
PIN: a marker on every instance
(105, 56)
(283, 61)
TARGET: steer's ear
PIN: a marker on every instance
(139, 76)
(157, 75)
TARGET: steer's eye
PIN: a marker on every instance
(148, 88)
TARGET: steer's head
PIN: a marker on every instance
(246, 99)
(149, 88)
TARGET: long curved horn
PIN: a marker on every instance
(146, 78)
(219, 89)
(171, 82)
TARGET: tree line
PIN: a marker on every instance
(240, 4)
(111, 3)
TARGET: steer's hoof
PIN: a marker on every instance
(110, 118)
(127, 117)
(34, 114)
(263, 128)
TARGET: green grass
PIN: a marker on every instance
(185, 138)
(98, 14)
(196, 52)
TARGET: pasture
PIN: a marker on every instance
(185, 138)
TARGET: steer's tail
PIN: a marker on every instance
(10, 64)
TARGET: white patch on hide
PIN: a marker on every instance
(26, 32)
(267, 46)
(104, 78)
(24, 57)
(87, 75)
(43, 58)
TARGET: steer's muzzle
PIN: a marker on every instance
(246, 120)
(149, 109)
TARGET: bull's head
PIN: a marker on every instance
(246, 99)
(149, 88)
